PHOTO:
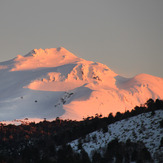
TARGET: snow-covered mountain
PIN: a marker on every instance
(54, 83)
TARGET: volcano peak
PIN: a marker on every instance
(67, 86)
(38, 58)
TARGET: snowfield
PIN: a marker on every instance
(54, 83)
(144, 127)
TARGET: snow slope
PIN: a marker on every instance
(54, 83)
(144, 128)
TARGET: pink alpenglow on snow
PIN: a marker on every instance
(38, 58)
(54, 83)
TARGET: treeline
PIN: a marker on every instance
(36, 142)
(115, 152)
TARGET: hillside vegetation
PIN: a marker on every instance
(80, 141)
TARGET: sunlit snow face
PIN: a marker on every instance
(54, 82)
(39, 58)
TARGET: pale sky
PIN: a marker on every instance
(126, 35)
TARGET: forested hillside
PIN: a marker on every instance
(48, 141)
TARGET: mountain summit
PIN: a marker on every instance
(54, 83)
(39, 58)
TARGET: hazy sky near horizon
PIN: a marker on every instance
(126, 35)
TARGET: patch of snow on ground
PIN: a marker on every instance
(144, 127)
